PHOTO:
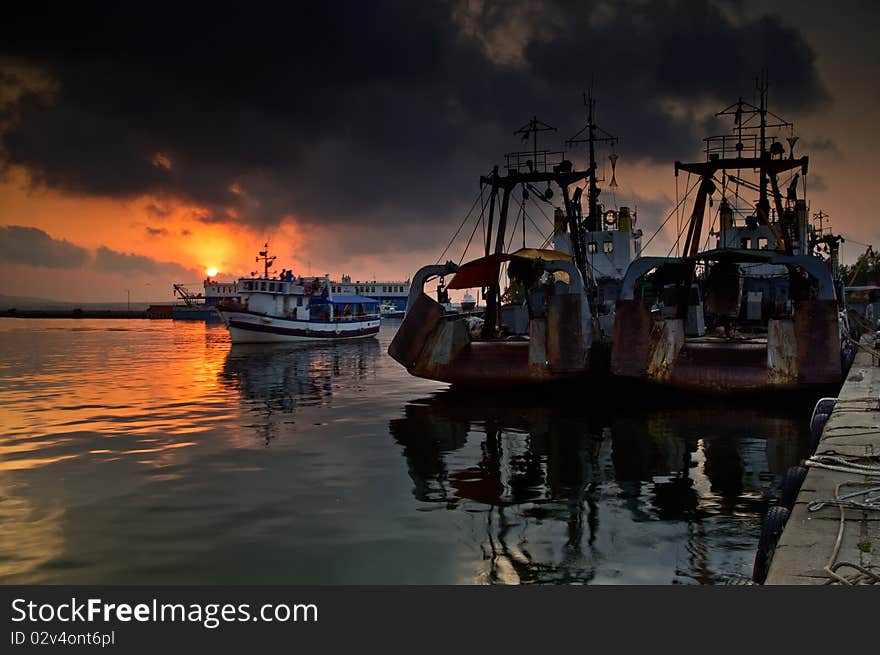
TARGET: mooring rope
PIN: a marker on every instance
(871, 351)
(853, 465)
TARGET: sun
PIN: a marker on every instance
(211, 272)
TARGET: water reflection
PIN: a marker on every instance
(563, 483)
(141, 452)
(275, 380)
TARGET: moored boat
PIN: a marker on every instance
(546, 326)
(284, 307)
(760, 310)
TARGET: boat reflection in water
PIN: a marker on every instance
(275, 380)
(626, 494)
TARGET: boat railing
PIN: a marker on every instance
(356, 317)
(533, 162)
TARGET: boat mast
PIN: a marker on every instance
(769, 162)
(527, 169)
(266, 259)
(594, 221)
(763, 203)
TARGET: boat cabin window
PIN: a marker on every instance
(762, 243)
(745, 242)
(262, 286)
(608, 247)
(592, 247)
(299, 302)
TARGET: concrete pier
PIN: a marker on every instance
(808, 541)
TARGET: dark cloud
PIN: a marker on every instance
(30, 245)
(365, 117)
(157, 210)
(156, 231)
(112, 261)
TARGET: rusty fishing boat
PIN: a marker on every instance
(554, 319)
(760, 309)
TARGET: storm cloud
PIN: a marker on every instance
(30, 245)
(111, 261)
(373, 117)
(34, 247)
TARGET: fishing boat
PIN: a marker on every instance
(546, 325)
(752, 303)
(284, 307)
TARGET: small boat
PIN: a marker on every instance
(390, 310)
(759, 310)
(273, 308)
(468, 303)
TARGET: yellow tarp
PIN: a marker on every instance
(548, 255)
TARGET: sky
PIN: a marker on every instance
(145, 145)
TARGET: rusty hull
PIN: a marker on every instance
(797, 353)
(437, 347)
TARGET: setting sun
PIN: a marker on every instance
(211, 272)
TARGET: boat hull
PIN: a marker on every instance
(194, 313)
(245, 327)
(797, 354)
(435, 345)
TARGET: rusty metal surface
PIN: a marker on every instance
(445, 342)
(538, 341)
(440, 348)
(721, 365)
(782, 362)
(632, 338)
(667, 340)
(818, 341)
(421, 319)
(492, 365)
(799, 353)
(567, 340)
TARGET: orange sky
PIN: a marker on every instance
(184, 239)
(180, 238)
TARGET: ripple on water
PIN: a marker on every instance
(156, 452)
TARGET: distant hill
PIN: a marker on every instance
(27, 303)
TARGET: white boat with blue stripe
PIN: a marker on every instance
(284, 307)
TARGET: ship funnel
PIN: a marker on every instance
(624, 220)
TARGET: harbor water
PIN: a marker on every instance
(156, 452)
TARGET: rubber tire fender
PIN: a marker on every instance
(791, 486)
(774, 523)
(817, 425)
